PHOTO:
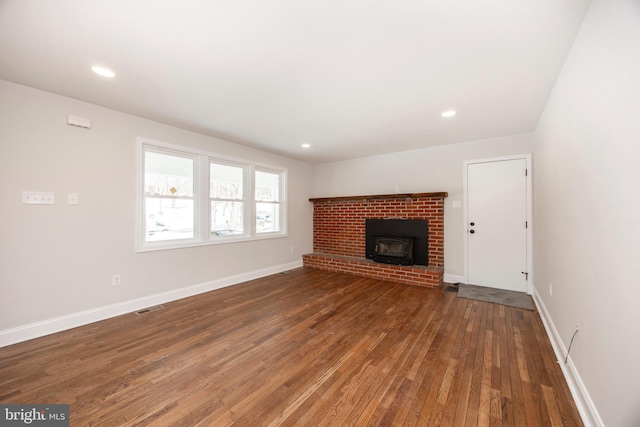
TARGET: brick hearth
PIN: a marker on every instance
(339, 235)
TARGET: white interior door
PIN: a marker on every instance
(496, 204)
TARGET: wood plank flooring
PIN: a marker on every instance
(306, 347)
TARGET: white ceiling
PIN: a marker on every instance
(351, 77)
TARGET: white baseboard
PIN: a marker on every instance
(586, 407)
(452, 278)
(62, 323)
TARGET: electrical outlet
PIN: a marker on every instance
(550, 289)
(115, 280)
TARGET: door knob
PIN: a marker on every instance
(472, 231)
(472, 224)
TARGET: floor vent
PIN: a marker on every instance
(149, 309)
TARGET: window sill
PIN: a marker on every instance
(172, 244)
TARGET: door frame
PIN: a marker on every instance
(529, 213)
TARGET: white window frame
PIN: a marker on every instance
(246, 198)
(202, 199)
(280, 201)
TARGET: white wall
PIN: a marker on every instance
(420, 171)
(58, 260)
(587, 209)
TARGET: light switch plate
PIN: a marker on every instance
(38, 198)
(72, 199)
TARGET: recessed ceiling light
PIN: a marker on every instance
(104, 72)
(306, 145)
(449, 113)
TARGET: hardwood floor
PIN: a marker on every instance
(306, 347)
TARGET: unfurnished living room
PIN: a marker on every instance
(286, 213)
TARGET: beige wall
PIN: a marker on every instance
(420, 171)
(58, 260)
(587, 208)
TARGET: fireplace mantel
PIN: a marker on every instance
(381, 196)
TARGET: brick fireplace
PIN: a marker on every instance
(339, 235)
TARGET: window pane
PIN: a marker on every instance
(167, 175)
(267, 217)
(226, 218)
(267, 186)
(168, 219)
(226, 181)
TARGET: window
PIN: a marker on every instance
(227, 204)
(245, 201)
(267, 201)
(168, 196)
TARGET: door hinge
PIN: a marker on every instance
(526, 224)
(526, 172)
(526, 275)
